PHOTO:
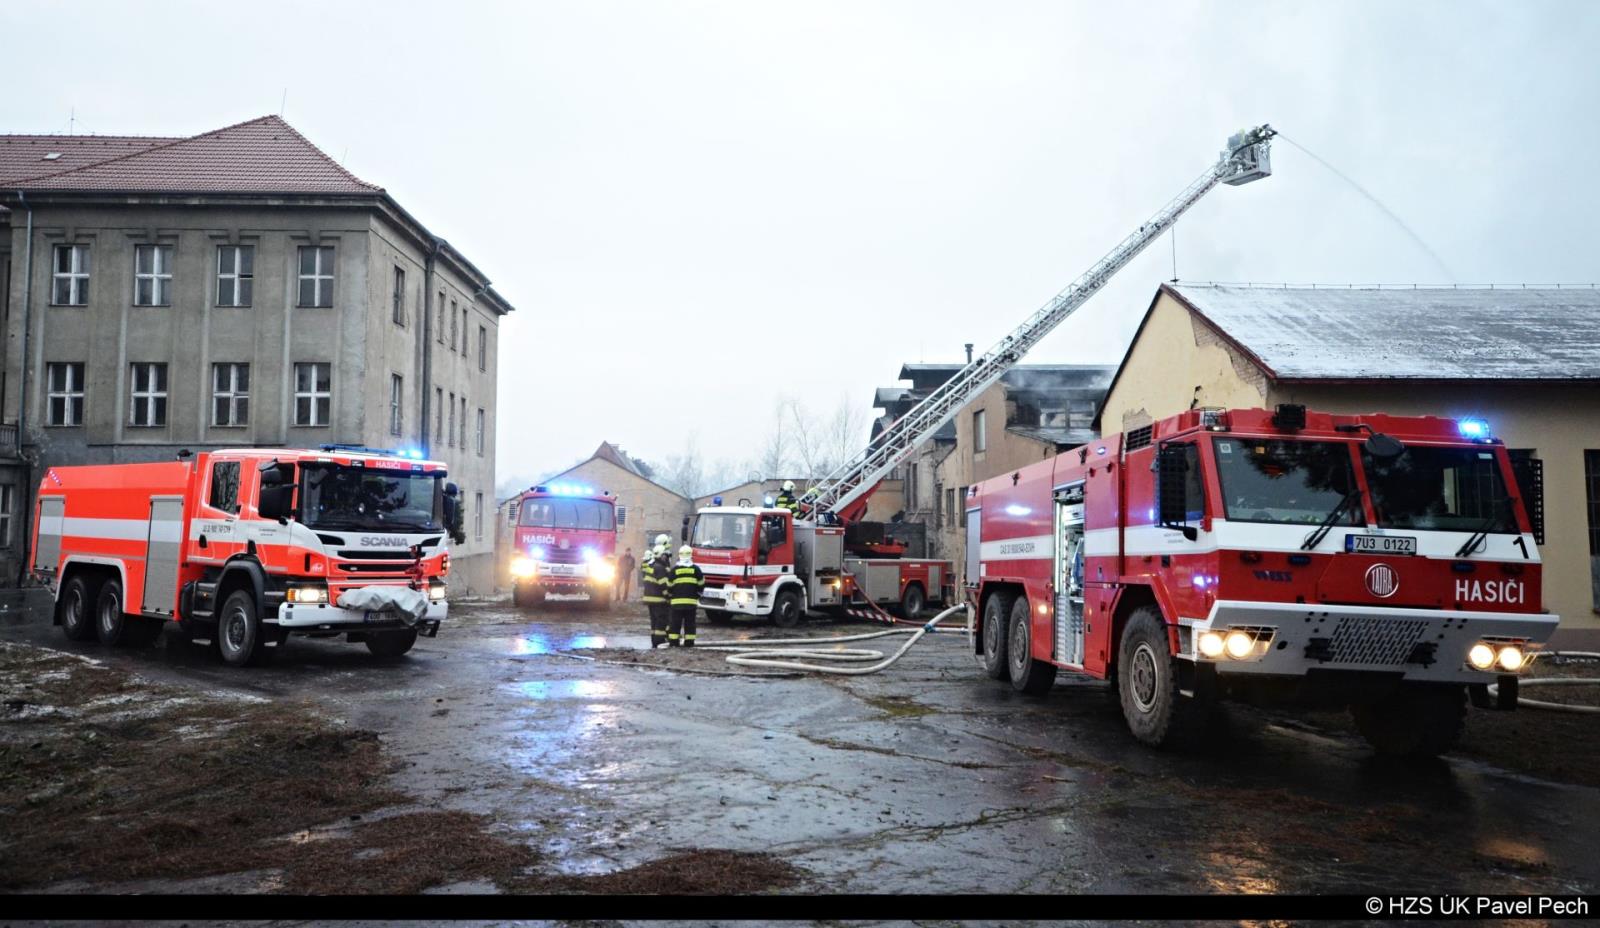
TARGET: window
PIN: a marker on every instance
(152, 275)
(980, 431)
(316, 276)
(399, 297)
(230, 394)
(622, 516)
(70, 280)
(477, 516)
(1442, 489)
(480, 431)
(438, 330)
(65, 394)
(483, 348)
(1591, 484)
(450, 437)
(566, 512)
(438, 414)
(236, 270)
(452, 325)
(949, 506)
(8, 496)
(464, 331)
(148, 406)
(225, 486)
(961, 508)
(462, 441)
(1292, 482)
(396, 407)
(313, 393)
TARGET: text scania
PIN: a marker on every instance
(1490, 591)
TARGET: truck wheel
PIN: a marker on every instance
(392, 644)
(786, 609)
(109, 621)
(1147, 680)
(1416, 721)
(239, 633)
(1028, 675)
(75, 610)
(995, 613)
(913, 601)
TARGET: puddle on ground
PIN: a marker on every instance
(564, 689)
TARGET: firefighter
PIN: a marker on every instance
(653, 585)
(786, 499)
(684, 592)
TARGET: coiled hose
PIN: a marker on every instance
(1494, 688)
(785, 658)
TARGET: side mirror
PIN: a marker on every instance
(276, 474)
(275, 501)
(1384, 447)
(1172, 504)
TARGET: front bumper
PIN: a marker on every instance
(742, 600)
(556, 576)
(1428, 645)
(325, 617)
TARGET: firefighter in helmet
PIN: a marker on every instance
(786, 498)
(683, 590)
(653, 577)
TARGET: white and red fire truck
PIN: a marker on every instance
(1384, 563)
(566, 543)
(245, 547)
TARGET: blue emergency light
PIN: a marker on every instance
(1473, 428)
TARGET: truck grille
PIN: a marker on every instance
(397, 570)
(563, 556)
(367, 555)
(1383, 642)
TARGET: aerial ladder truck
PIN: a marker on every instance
(765, 561)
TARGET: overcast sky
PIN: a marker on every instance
(699, 207)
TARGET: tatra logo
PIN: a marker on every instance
(382, 541)
(565, 544)
(1489, 591)
(1382, 581)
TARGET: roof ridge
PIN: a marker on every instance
(313, 146)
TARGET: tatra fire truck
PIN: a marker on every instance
(566, 542)
(246, 547)
(1384, 563)
(764, 562)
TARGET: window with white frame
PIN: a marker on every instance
(64, 396)
(8, 498)
(399, 297)
(396, 404)
(230, 394)
(438, 330)
(980, 431)
(236, 274)
(438, 414)
(464, 338)
(462, 438)
(480, 431)
(70, 276)
(452, 325)
(477, 516)
(316, 276)
(313, 393)
(483, 348)
(152, 275)
(450, 437)
(147, 407)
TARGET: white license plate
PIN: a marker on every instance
(1380, 544)
(561, 570)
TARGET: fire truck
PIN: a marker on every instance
(566, 542)
(1384, 563)
(245, 547)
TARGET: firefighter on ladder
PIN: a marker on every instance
(786, 498)
(653, 577)
(684, 592)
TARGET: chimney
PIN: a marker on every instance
(969, 352)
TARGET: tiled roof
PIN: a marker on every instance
(24, 156)
(264, 155)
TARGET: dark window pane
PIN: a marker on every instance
(323, 405)
(324, 378)
(241, 378)
(308, 261)
(247, 259)
(224, 291)
(75, 406)
(58, 410)
(302, 411)
(63, 259)
(142, 258)
(241, 411)
(164, 291)
(140, 405)
(308, 291)
(161, 411)
(161, 377)
(219, 411)
(246, 291)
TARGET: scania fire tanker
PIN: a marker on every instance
(566, 543)
(1384, 563)
(246, 547)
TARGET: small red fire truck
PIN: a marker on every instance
(566, 542)
(245, 547)
(1379, 562)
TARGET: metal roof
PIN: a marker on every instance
(1431, 333)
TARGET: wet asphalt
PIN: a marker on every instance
(926, 777)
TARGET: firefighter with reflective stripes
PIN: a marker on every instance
(684, 592)
(653, 576)
(786, 498)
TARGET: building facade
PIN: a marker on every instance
(236, 289)
(1525, 360)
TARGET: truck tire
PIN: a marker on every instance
(786, 609)
(1147, 680)
(996, 611)
(391, 644)
(1030, 676)
(109, 620)
(75, 609)
(913, 601)
(1423, 720)
(240, 638)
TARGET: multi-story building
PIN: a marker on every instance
(235, 288)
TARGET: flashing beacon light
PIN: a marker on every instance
(537, 553)
(716, 501)
(1473, 428)
(767, 500)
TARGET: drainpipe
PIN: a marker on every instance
(427, 345)
(25, 489)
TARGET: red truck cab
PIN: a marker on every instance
(566, 543)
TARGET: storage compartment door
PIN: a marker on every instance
(1068, 575)
(165, 544)
(974, 546)
(47, 553)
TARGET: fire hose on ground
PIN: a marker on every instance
(795, 652)
(1494, 689)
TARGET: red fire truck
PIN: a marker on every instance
(245, 547)
(566, 543)
(1384, 563)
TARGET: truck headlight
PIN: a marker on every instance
(1510, 658)
(603, 571)
(307, 594)
(1481, 656)
(1211, 644)
(436, 593)
(523, 567)
(1239, 644)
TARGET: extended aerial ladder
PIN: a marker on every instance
(844, 491)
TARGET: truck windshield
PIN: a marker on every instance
(1294, 482)
(726, 530)
(365, 498)
(543, 512)
(1444, 489)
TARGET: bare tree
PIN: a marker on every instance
(823, 443)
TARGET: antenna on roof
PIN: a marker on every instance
(72, 120)
(282, 102)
